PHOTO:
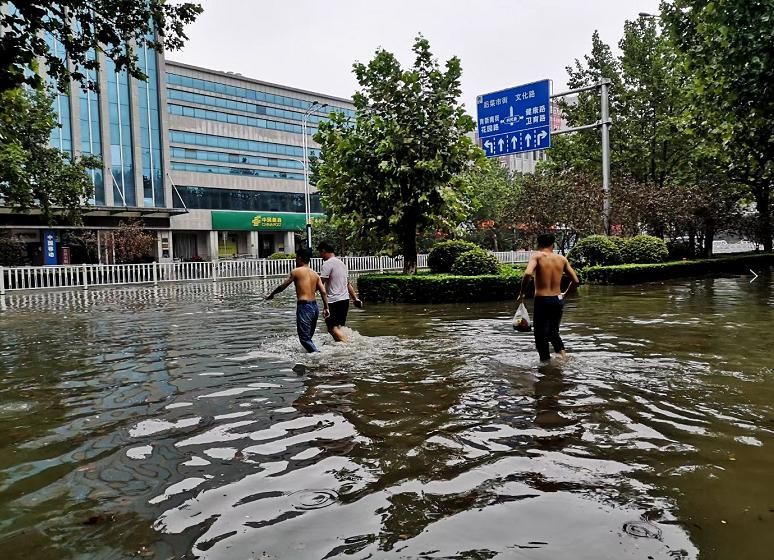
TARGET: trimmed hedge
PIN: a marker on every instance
(638, 273)
(443, 254)
(595, 250)
(281, 256)
(439, 288)
(644, 249)
(476, 263)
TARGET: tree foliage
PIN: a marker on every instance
(115, 27)
(561, 202)
(130, 243)
(33, 174)
(396, 168)
(663, 180)
(725, 48)
(491, 187)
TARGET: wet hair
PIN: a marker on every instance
(304, 255)
(325, 247)
(545, 240)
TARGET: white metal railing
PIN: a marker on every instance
(724, 247)
(90, 275)
(513, 257)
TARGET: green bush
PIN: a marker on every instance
(595, 250)
(12, 251)
(638, 273)
(475, 263)
(644, 249)
(280, 256)
(619, 241)
(439, 288)
(442, 256)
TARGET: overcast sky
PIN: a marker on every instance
(311, 44)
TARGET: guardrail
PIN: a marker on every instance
(92, 275)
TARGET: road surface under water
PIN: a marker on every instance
(170, 423)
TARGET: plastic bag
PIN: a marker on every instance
(521, 320)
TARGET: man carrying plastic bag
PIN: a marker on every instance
(547, 268)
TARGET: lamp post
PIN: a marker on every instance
(307, 197)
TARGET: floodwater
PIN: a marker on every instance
(171, 423)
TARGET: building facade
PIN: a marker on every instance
(237, 161)
(210, 161)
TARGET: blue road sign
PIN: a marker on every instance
(515, 120)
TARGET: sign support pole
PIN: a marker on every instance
(603, 124)
(605, 115)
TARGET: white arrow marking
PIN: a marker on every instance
(513, 142)
(754, 274)
(488, 145)
(528, 138)
(541, 136)
(500, 142)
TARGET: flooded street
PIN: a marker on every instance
(172, 423)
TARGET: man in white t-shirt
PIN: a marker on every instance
(335, 276)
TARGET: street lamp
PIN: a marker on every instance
(307, 197)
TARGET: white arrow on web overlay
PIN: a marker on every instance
(528, 138)
(541, 136)
(755, 276)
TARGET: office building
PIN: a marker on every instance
(124, 124)
(236, 161)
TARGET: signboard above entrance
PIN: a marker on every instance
(260, 221)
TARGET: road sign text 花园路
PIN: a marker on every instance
(516, 119)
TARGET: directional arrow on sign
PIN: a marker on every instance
(513, 142)
(541, 136)
(528, 138)
(500, 143)
(489, 146)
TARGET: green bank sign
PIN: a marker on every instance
(260, 221)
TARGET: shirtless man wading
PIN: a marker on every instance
(547, 268)
(307, 283)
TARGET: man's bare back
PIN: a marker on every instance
(548, 269)
(307, 283)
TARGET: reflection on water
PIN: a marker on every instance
(185, 422)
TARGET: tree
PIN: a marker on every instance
(33, 174)
(396, 169)
(557, 202)
(491, 186)
(725, 48)
(658, 162)
(114, 27)
(131, 243)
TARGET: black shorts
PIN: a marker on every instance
(338, 316)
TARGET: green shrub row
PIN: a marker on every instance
(596, 250)
(637, 273)
(439, 288)
(476, 262)
(281, 256)
(441, 257)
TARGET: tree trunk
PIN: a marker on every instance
(709, 237)
(762, 201)
(494, 240)
(409, 246)
(692, 241)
